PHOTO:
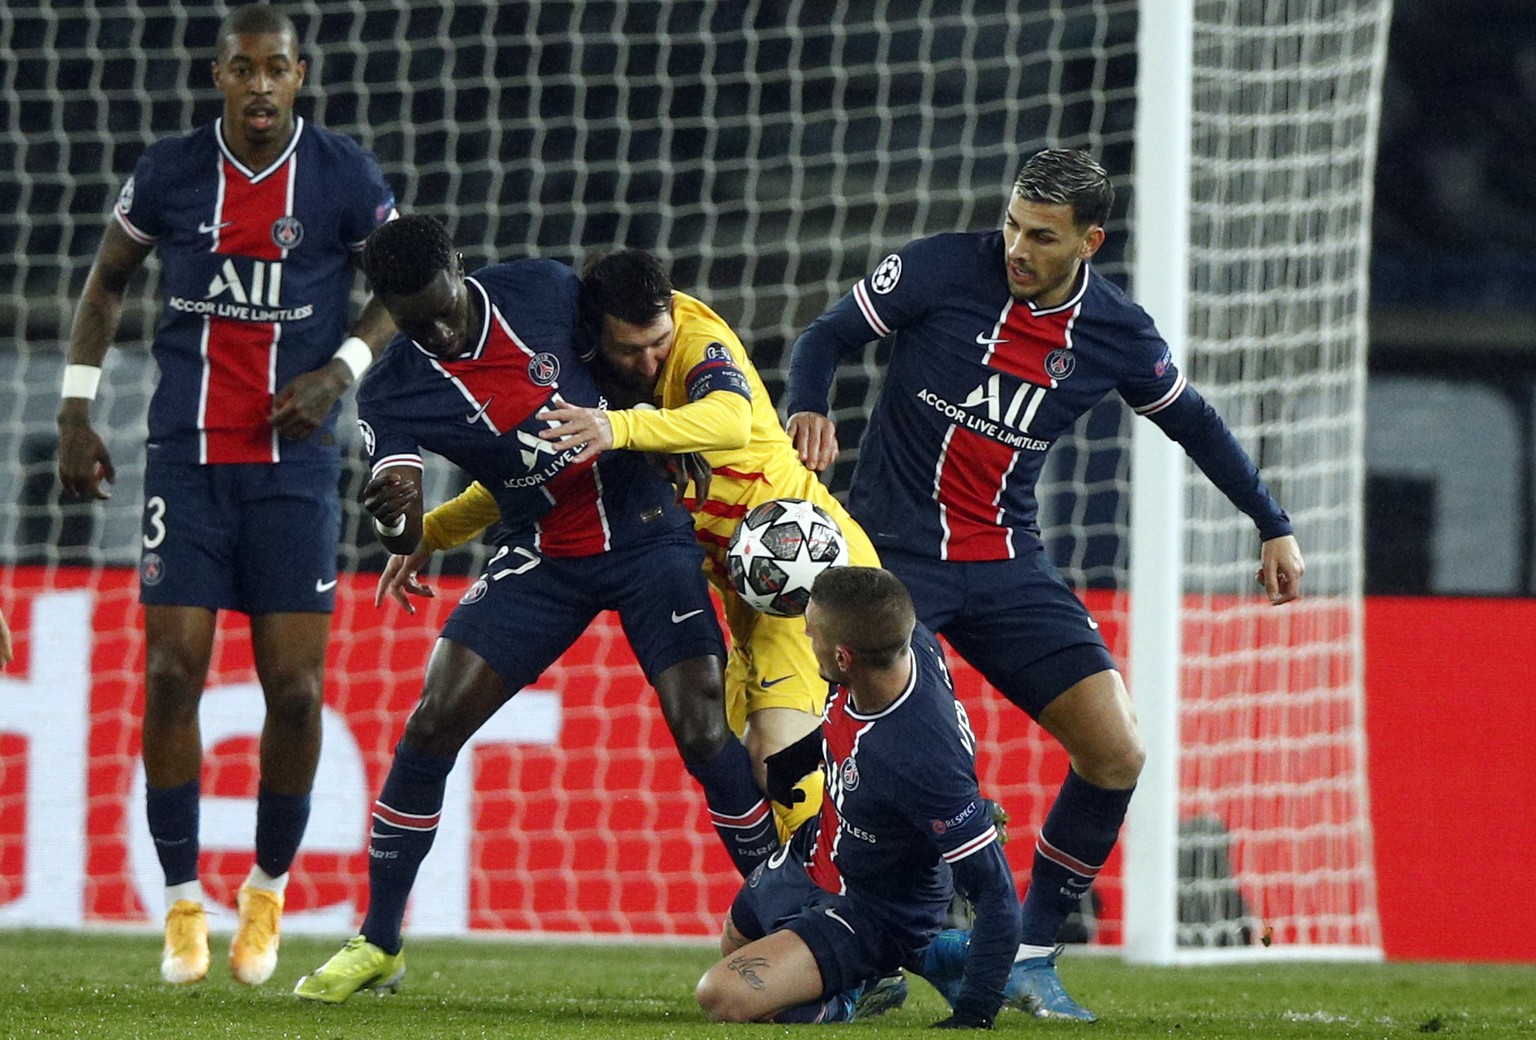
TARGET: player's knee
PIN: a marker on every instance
(294, 699)
(1116, 766)
(717, 998)
(172, 688)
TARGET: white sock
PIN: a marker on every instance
(259, 878)
(1026, 952)
(192, 891)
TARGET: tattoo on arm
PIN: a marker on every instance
(747, 967)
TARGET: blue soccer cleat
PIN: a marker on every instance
(1035, 988)
(878, 996)
(944, 962)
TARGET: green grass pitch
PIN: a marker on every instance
(106, 987)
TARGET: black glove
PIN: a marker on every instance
(788, 767)
(963, 1020)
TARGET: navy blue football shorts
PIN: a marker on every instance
(1017, 621)
(852, 937)
(527, 609)
(254, 537)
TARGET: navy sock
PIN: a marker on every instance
(172, 813)
(741, 815)
(1075, 840)
(280, 823)
(404, 825)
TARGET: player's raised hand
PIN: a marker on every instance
(84, 461)
(399, 581)
(300, 407)
(815, 438)
(1280, 569)
(387, 495)
(587, 429)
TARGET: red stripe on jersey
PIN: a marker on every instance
(972, 473)
(1027, 339)
(240, 357)
(713, 508)
(726, 471)
(496, 379)
(578, 524)
(248, 210)
(239, 367)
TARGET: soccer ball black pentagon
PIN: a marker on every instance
(778, 550)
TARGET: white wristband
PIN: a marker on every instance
(395, 530)
(81, 381)
(356, 354)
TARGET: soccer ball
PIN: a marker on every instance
(777, 551)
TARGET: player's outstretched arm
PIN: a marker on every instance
(7, 652)
(301, 407)
(1281, 568)
(815, 438)
(84, 461)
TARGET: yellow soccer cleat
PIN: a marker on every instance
(185, 956)
(358, 965)
(253, 953)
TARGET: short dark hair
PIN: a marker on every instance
(866, 609)
(1067, 177)
(254, 20)
(401, 257)
(629, 284)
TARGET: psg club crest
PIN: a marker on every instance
(850, 775)
(1059, 364)
(287, 232)
(886, 275)
(476, 592)
(151, 569)
(544, 369)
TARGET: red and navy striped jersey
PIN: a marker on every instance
(478, 411)
(256, 279)
(980, 386)
(902, 801)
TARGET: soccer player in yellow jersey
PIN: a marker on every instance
(672, 352)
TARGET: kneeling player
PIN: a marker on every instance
(861, 890)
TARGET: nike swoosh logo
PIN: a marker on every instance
(678, 619)
(983, 340)
(325, 586)
(774, 682)
(208, 229)
(833, 914)
(376, 836)
(474, 416)
(1092, 623)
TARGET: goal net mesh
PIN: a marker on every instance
(771, 151)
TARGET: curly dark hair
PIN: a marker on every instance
(401, 257)
(1068, 177)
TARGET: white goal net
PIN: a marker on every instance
(772, 151)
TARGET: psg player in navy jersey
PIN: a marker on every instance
(861, 889)
(1002, 339)
(478, 359)
(257, 219)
